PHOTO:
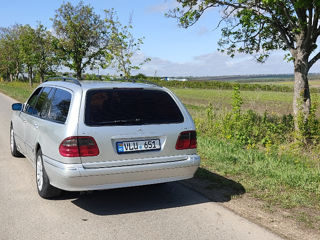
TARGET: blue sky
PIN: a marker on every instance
(174, 51)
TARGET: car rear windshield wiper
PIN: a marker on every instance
(120, 122)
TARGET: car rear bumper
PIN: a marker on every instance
(73, 177)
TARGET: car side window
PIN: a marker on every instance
(46, 107)
(43, 102)
(42, 99)
(30, 105)
(60, 106)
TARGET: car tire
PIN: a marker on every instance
(45, 189)
(13, 145)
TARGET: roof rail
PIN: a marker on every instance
(74, 80)
(143, 81)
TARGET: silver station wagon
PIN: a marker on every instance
(90, 135)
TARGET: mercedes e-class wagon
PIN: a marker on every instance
(91, 135)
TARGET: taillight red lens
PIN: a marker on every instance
(88, 147)
(187, 140)
(79, 147)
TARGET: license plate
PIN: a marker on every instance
(138, 146)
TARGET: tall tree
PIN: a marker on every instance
(261, 26)
(10, 62)
(6, 67)
(46, 59)
(122, 46)
(27, 49)
(82, 36)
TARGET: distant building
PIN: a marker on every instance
(175, 79)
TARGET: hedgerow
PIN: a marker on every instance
(227, 86)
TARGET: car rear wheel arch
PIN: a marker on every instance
(45, 189)
(37, 148)
(13, 147)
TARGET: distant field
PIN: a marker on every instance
(260, 101)
(314, 80)
(279, 178)
(197, 100)
(264, 78)
(312, 83)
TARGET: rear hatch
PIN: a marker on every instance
(133, 126)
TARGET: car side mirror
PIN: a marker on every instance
(17, 106)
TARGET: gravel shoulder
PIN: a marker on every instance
(283, 222)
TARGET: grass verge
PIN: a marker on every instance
(277, 178)
(281, 178)
(17, 90)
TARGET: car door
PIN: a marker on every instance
(18, 123)
(34, 121)
(27, 110)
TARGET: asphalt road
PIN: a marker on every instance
(169, 211)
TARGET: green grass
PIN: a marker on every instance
(17, 90)
(312, 83)
(282, 179)
(279, 177)
(225, 95)
(260, 101)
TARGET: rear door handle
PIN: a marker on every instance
(24, 121)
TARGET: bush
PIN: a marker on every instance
(309, 128)
(247, 128)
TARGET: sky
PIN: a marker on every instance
(174, 51)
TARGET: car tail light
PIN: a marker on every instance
(187, 140)
(79, 147)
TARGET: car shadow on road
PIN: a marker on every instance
(137, 199)
(214, 186)
(156, 197)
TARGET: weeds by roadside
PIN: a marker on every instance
(247, 128)
(264, 154)
(256, 150)
(17, 90)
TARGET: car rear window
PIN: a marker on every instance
(107, 107)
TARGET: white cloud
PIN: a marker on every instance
(203, 31)
(215, 64)
(162, 7)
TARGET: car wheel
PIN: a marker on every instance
(45, 189)
(13, 146)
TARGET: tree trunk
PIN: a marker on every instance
(41, 77)
(8, 75)
(17, 74)
(79, 73)
(30, 75)
(78, 67)
(301, 97)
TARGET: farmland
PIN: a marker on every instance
(272, 168)
(278, 103)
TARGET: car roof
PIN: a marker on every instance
(92, 84)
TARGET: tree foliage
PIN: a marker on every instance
(27, 49)
(122, 47)
(10, 61)
(258, 27)
(82, 36)
(81, 41)
(46, 58)
(261, 26)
